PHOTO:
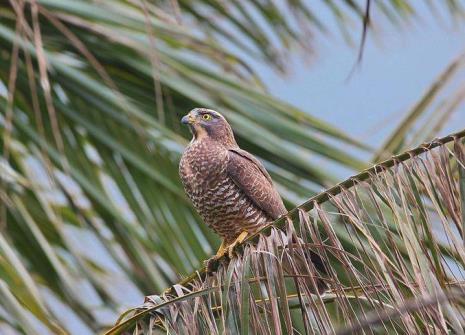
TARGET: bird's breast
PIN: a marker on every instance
(202, 166)
(221, 203)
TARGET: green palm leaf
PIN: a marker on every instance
(92, 212)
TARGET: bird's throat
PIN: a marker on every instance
(198, 132)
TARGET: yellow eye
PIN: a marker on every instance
(206, 117)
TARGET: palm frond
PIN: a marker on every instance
(402, 136)
(391, 243)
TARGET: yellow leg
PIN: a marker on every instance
(230, 248)
(221, 249)
(212, 263)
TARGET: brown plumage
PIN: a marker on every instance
(230, 188)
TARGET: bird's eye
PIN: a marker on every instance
(206, 117)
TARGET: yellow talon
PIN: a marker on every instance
(230, 248)
(212, 263)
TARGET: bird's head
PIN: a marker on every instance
(207, 123)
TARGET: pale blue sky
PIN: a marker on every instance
(398, 66)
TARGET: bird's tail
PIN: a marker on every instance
(306, 265)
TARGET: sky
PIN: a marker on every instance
(397, 67)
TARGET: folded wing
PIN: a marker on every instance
(251, 177)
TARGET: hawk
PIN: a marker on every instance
(229, 188)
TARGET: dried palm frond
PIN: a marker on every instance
(392, 244)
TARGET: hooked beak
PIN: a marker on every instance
(187, 119)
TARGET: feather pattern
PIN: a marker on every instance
(251, 177)
(229, 188)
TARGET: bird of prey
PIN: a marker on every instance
(230, 188)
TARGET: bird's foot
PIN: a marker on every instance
(230, 248)
(166, 291)
(212, 264)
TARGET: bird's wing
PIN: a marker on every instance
(249, 174)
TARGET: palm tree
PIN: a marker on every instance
(93, 216)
